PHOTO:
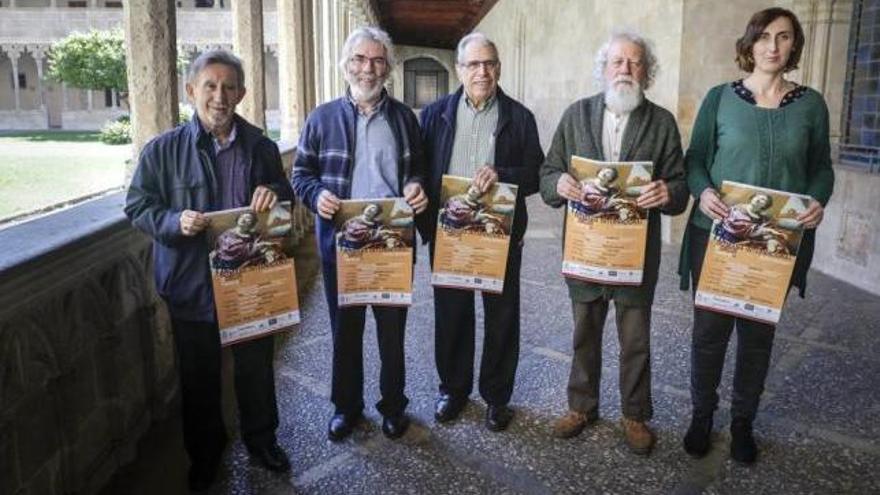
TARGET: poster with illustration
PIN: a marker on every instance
(374, 252)
(606, 232)
(751, 253)
(253, 272)
(473, 235)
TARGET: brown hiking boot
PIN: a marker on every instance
(572, 424)
(639, 438)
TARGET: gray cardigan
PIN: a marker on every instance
(650, 135)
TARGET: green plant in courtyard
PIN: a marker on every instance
(118, 131)
(92, 60)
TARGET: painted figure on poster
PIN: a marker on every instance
(750, 224)
(367, 231)
(243, 246)
(467, 212)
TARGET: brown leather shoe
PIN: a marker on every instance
(572, 424)
(639, 438)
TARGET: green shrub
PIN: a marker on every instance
(117, 131)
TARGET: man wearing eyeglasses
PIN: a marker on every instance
(617, 124)
(479, 132)
(363, 145)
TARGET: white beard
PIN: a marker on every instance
(623, 98)
(371, 94)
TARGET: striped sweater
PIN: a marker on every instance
(326, 150)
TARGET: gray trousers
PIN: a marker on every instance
(634, 335)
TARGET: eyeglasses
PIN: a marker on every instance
(617, 63)
(362, 60)
(475, 65)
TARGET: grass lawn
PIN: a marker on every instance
(44, 168)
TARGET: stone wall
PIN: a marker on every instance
(848, 243)
(86, 351)
(86, 359)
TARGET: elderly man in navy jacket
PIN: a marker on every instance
(479, 132)
(216, 162)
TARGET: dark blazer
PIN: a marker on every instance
(518, 154)
(175, 172)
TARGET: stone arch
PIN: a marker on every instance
(419, 67)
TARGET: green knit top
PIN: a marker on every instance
(786, 148)
(783, 148)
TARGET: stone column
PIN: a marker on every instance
(39, 54)
(247, 43)
(63, 96)
(826, 26)
(14, 52)
(291, 76)
(319, 53)
(90, 100)
(308, 51)
(151, 52)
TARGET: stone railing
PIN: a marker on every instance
(86, 352)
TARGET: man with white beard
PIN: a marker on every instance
(363, 145)
(618, 124)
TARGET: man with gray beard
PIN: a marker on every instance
(363, 145)
(618, 124)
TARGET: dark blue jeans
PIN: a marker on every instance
(754, 344)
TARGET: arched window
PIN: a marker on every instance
(424, 80)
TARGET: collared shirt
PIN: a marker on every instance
(375, 154)
(613, 126)
(232, 172)
(474, 143)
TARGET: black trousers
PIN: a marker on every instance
(199, 360)
(709, 345)
(454, 321)
(348, 353)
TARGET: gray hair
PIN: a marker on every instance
(215, 57)
(648, 58)
(367, 33)
(474, 37)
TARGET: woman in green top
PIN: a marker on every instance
(765, 131)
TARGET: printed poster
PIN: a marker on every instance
(252, 272)
(751, 253)
(374, 252)
(606, 232)
(473, 235)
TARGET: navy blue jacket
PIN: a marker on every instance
(518, 154)
(326, 151)
(175, 172)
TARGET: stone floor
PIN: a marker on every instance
(818, 428)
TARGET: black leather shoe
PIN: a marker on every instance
(697, 440)
(395, 426)
(341, 426)
(742, 443)
(272, 458)
(448, 407)
(498, 417)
